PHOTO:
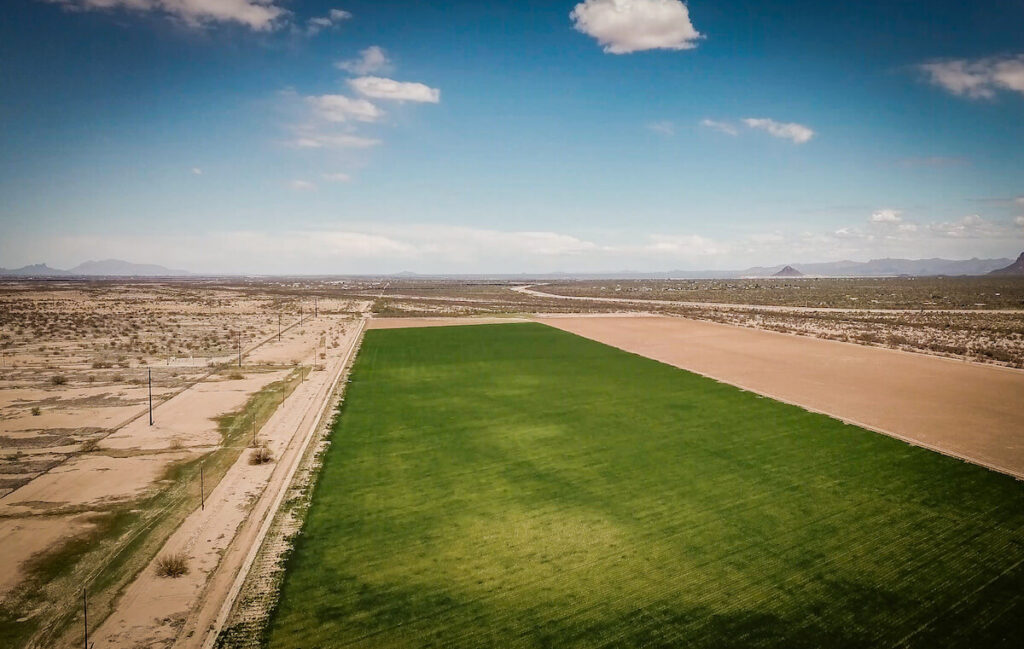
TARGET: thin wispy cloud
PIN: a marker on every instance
(311, 139)
(664, 127)
(722, 127)
(625, 26)
(335, 16)
(301, 185)
(977, 78)
(796, 133)
(337, 177)
(258, 15)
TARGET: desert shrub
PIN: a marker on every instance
(36, 411)
(261, 455)
(236, 376)
(172, 565)
(57, 379)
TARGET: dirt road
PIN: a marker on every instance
(221, 538)
(971, 411)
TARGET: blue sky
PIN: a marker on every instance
(340, 137)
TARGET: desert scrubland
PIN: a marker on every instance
(89, 490)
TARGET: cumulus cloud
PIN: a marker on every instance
(886, 216)
(723, 127)
(624, 26)
(977, 78)
(258, 15)
(372, 59)
(797, 133)
(382, 88)
(339, 108)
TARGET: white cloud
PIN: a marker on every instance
(886, 216)
(977, 78)
(337, 177)
(339, 108)
(301, 185)
(798, 133)
(624, 26)
(334, 16)
(687, 245)
(664, 127)
(1019, 220)
(316, 140)
(723, 127)
(372, 59)
(197, 171)
(258, 15)
(381, 88)
(1019, 201)
(969, 227)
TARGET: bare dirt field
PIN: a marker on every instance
(964, 409)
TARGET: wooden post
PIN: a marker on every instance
(254, 431)
(278, 327)
(202, 489)
(150, 370)
(85, 616)
(239, 348)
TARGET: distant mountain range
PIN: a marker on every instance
(1016, 268)
(105, 268)
(846, 268)
(888, 268)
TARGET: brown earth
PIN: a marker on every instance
(968, 410)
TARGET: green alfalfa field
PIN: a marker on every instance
(518, 486)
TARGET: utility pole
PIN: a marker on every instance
(316, 307)
(278, 327)
(85, 615)
(239, 348)
(202, 489)
(150, 370)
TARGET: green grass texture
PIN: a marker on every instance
(518, 486)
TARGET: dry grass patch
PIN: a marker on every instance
(172, 565)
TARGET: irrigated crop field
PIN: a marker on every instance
(517, 486)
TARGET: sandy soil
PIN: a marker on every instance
(24, 537)
(404, 323)
(967, 410)
(218, 539)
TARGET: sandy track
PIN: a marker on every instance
(967, 410)
(530, 290)
(157, 612)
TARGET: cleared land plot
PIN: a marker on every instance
(969, 410)
(518, 486)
